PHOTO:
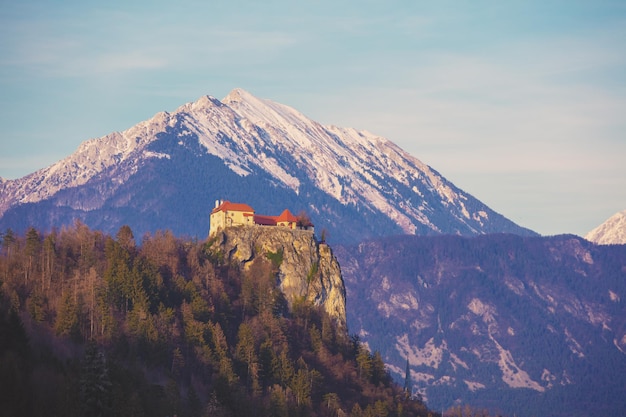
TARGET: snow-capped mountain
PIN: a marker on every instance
(167, 171)
(611, 232)
(527, 326)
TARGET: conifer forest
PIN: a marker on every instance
(99, 325)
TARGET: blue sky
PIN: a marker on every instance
(520, 103)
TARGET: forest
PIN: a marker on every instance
(100, 325)
(546, 290)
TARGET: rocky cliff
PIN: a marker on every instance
(307, 269)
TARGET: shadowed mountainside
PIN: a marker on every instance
(532, 326)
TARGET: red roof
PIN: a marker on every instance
(265, 220)
(228, 206)
(286, 216)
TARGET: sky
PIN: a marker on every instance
(520, 103)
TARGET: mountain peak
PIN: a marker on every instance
(266, 112)
(253, 108)
(238, 95)
(611, 232)
(203, 102)
(360, 184)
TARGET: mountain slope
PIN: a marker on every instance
(529, 326)
(611, 232)
(167, 171)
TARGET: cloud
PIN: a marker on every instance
(518, 106)
(533, 126)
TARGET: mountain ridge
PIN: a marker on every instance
(332, 172)
(526, 325)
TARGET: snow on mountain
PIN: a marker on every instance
(611, 232)
(90, 159)
(354, 168)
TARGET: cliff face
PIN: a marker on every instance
(308, 269)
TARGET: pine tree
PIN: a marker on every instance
(95, 385)
(379, 372)
(68, 317)
(364, 363)
(125, 238)
(245, 352)
(33, 247)
(407, 379)
(8, 241)
(49, 256)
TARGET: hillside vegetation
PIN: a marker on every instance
(95, 325)
(531, 326)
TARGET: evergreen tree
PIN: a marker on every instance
(125, 238)
(246, 353)
(33, 246)
(68, 317)
(364, 362)
(8, 241)
(407, 379)
(95, 385)
(49, 255)
(379, 372)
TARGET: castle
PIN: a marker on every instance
(227, 214)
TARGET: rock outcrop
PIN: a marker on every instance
(307, 270)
